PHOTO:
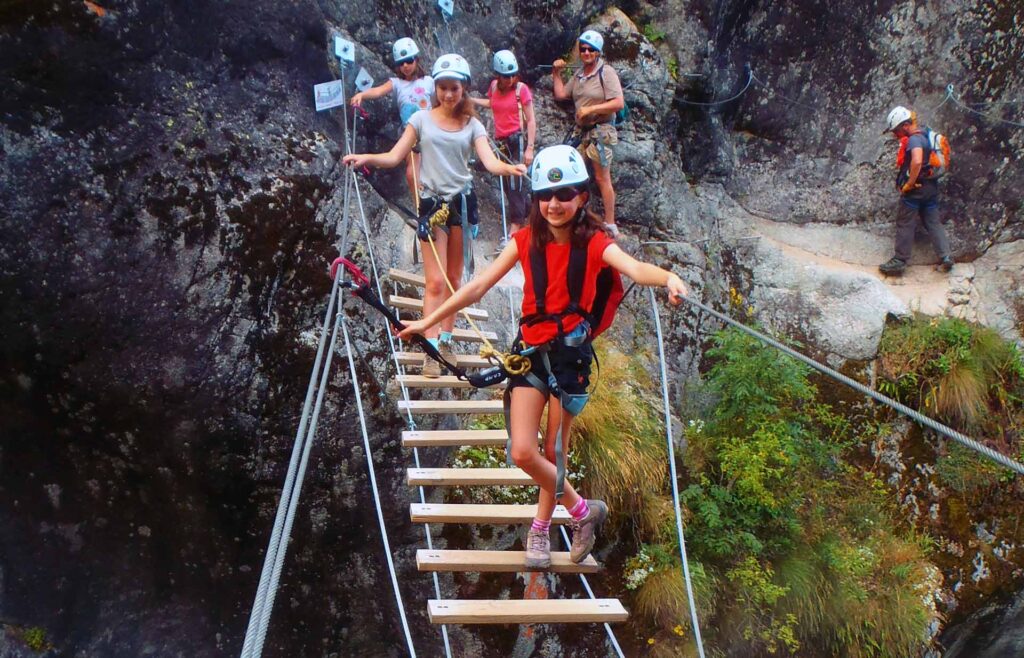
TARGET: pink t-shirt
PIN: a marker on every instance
(505, 108)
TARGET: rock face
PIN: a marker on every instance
(170, 201)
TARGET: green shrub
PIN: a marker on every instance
(811, 560)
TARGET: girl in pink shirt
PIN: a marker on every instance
(515, 129)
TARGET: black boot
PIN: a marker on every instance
(893, 267)
(946, 264)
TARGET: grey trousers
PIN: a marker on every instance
(906, 225)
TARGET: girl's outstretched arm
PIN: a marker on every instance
(644, 273)
(492, 163)
(468, 293)
(392, 158)
(374, 92)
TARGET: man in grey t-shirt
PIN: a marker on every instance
(919, 194)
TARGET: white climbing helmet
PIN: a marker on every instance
(504, 63)
(593, 38)
(558, 166)
(898, 115)
(405, 48)
(451, 66)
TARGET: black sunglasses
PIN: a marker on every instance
(507, 76)
(587, 49)
(563, 194)
(405, 61)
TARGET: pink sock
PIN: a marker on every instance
(580, 509)
(541, 526)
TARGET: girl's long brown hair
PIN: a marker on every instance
(465, 109)
(584, 226)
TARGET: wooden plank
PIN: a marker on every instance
(529, 611)
(497, 561)
(446, 381)
(406, 277)
(470, 336)
(451, 406)
(411, 304)
(473, 513)
(461, 360)
(448, 438)
(455, 477)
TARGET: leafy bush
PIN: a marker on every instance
(807, 555)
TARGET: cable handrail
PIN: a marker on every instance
(945, 430)
(672, 475)
(373, 476)
(404, 389)
(750, 79)
(256, 629)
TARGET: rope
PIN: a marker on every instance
(959, 103)
(515, 364)
(273, 561)
(278, 544)
(875, 395)
(373, 479)
(405, 390)
(590, 593)
(672, 470)
(750, 79)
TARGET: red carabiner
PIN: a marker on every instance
(354, 272)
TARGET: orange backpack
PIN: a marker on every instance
(938, 156)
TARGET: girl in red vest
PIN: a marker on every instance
(558, 220)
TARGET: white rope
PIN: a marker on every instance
(673, 476)
(405, 391)
(590, 592)
(504, 229)
(750, 79)
(373, 481)
(959, 103)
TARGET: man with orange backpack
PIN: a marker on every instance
(921, 160)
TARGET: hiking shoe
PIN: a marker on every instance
(946, 264)
(538, 549)
(431, 368)
(447, 350)
(584, 531)
(893, 267)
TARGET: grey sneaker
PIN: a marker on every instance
(431, 368)
(538, 549)
(584, 531)
(946, 264)
(893, 267)
(502, 243)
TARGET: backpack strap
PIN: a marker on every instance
(575, 275)
(519, 115)
(539, 271)
(493, 88)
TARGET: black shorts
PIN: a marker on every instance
(429, 206)
(571, 366)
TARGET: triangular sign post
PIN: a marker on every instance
(447, 7)
(363, 80)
